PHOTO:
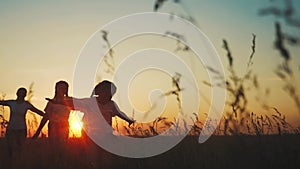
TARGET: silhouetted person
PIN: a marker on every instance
(16, 130)
(58, 126)
(104, 92)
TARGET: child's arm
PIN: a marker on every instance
(34, 109)
(126, 118)
(42, 124)
(44, 120)
(121, 114)
(4, 103)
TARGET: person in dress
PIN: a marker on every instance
(58, 126)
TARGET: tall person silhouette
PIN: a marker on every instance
(58, 126)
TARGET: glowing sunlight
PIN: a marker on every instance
(75, 122)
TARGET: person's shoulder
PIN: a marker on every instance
(28, 103)
(111, 102)
(10, 101)
(49, 105)
(114, 104)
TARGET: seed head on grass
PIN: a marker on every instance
(253, 50)
(175, 83)
(229, 56)
(109, 58)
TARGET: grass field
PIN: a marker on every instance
(243, 152)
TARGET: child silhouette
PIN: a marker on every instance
(16, 130)
(104, 92)
(57, 114)
(58, 126)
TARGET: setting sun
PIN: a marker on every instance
(75, 122)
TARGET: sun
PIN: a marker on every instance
(75, 123)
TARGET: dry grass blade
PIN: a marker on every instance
(229, 56)
(213, 70)
(158, 4)
(292, 40)
(33, 121)
(255, 82)
(175, 83)
(180, 39)
(279, 42)
(294, 22)
(253, 50)
(207, 83)
(108, 59)
(287, 13)
(270, 11)
(3, 121)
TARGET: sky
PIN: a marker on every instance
(40, 42)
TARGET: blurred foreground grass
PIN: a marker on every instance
(241, 152)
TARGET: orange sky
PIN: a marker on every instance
(40, 42)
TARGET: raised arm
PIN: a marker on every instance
(34, 109)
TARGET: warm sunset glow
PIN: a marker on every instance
(75, 122)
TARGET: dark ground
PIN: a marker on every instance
(241, 152)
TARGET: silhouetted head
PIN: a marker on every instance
(61, 89)
(21, 93)
(105, 90)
